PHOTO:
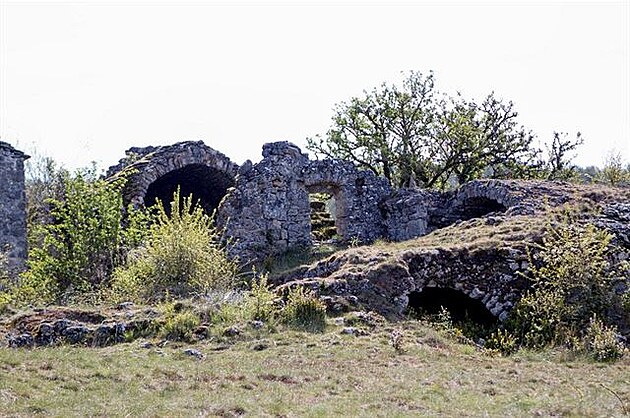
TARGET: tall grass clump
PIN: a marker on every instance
(181, 255)
(304, 311)
(260, 301)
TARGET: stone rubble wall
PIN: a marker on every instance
(143, 166)
(13, 206)
(268, 211)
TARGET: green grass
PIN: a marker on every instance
(303, 374)
(290, 260)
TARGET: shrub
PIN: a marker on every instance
(304, 311)
(572, 281)
(179, 324)
(44, 182)
(601, 342)
(261, 300)
(182, 255)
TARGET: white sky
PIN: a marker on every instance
(83, 82)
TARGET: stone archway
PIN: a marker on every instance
(207, 186)
(462, 307)
(157, 172)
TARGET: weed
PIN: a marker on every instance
(601, 342)
(502, 341)
(304, 311)
(179, 323)
(397, 340)
(260, 300)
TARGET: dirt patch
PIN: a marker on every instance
(287, 380)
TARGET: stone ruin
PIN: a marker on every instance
(12, 206)
(264, 209)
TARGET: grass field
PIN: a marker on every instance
(299, 374)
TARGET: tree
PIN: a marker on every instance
(79, 241)
(613, 172)
(559, 156)
(415, 135)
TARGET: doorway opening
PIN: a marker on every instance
(323, 217)
(207, 185)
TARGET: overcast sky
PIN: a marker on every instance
(83, 82)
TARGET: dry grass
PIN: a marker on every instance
(309, 375)
(480, 234)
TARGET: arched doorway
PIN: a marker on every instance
(477, 207)
(461, 307)
(207, 185)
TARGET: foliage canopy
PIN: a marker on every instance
(413, 135)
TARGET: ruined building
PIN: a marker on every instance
(12, 205)
(265, 209)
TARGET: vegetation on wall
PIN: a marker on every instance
(573, 299)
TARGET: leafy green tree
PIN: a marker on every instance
(415, 135)
(80, 244)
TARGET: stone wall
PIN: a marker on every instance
(13, 207)
(264, 207)
(406, 214)
(155, 172)
(268, 210)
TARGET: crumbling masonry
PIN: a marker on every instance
(264, 209)
(12, 206)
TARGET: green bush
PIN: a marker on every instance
(79, 246)
(572, 281)
(304, 311)
(181, 255)
(601, 342)
(179, 323)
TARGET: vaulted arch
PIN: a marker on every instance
(193, 166)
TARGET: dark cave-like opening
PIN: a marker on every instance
(476, 207)
(207, 185)
(461, 307)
